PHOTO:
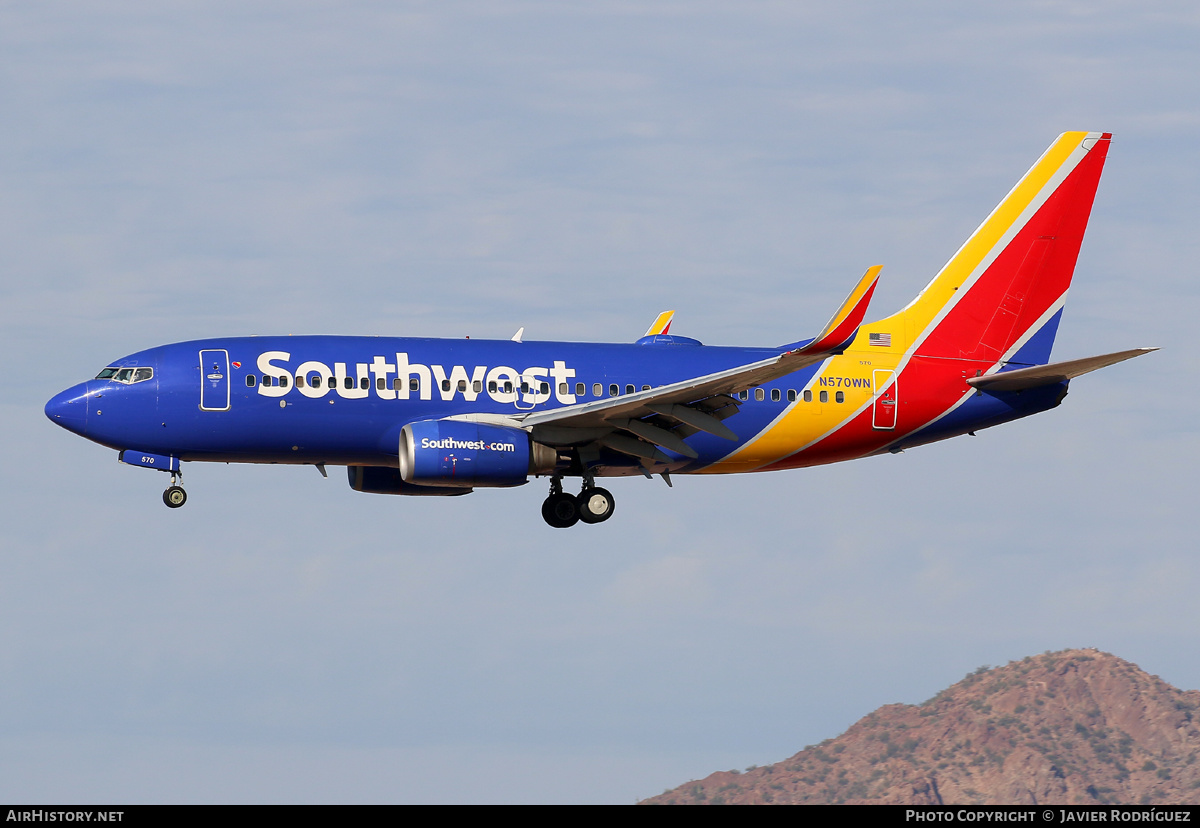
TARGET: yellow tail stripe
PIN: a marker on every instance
(916, 318)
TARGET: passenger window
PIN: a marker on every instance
(462, 385)
(580, 389)
(316, 381)
(414, 385)
(629, 389)
(445, 385)
(614, 390)
(774, 395)
(491, 386)
(348, 383)
(266, 381)
(824, 396)
(249, 380)
(743, 395)
(840, 396)
(597, 389)
(808, 396)
(380, 383)
(545, 389)
(645, 387)
(396, 384)
(283, 381)
(760, 394)
(299, 380)
(791, 395)
(477, 386)
(562, 389)
(364, 383)
(524, 388)
(508, 386)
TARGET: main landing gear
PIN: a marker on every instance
(592, 505)
(175, 496)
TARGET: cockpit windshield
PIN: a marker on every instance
(126, 375)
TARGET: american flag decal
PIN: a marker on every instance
(881, 340)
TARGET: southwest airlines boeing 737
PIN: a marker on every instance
(444, 417)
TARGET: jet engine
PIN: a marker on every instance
(459, 454)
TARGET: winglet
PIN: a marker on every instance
(843, 327)
(662, 324)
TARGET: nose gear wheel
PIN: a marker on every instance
(175, 496)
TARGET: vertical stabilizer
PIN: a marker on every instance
(999, 298)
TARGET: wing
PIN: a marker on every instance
(664, 415)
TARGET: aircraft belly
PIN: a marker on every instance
(297, 458)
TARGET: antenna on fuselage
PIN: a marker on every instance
(520, 333)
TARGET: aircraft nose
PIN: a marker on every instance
(69, 409)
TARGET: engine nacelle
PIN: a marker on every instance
(387, 480)
(461, 454)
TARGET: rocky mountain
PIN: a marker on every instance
(1073, 727)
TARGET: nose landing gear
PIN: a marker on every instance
(175, 496)
(592, 505)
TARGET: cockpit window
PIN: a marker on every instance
(126, 375)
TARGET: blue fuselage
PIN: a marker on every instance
(354, 394)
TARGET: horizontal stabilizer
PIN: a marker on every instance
(1023, 378)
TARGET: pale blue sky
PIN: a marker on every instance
(449, 169)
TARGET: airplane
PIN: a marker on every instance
(411, 416)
